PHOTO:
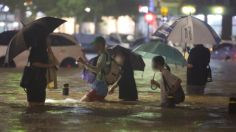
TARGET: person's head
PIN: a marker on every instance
(158, 63)
(99, 44)
(195, 45)
(40, 38)
(119, 57)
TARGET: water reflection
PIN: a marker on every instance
(66, 114)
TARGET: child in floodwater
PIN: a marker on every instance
(158, 64)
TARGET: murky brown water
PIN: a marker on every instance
(65, 114)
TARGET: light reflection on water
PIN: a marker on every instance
(66, 114)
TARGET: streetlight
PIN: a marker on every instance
(87, 9)
(188, 9)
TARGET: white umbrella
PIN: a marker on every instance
(188, 30)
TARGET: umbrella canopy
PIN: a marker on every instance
(27, 36)
(136, 59)
(187, 31)
(5, 37)
(59, 39)
(172, 55)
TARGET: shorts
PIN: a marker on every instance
(100, 87)
(93, 96)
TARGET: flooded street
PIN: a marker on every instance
(201, 113)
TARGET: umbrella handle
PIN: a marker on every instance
(154, 76)
(153, 87)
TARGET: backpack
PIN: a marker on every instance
(178, 96)
(112, 70)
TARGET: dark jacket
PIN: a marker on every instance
(199, 57)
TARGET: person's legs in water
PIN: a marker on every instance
(92, 96)
(36, 97)
(97, 93)
(36, 93)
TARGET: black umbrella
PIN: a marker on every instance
(6, 36)
(27, 36)
(136, 59)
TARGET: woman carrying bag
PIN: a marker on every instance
(38, 59)
(170, 85)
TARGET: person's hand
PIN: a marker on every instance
(81, 60)
(153, 82)
(189, 66)
(111, 91)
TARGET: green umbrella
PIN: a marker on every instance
(171, 54)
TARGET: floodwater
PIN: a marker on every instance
(201, 113)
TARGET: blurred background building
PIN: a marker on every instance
(138, 18)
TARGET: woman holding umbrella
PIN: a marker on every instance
(34, 35)
(38, 59)
(127, 86)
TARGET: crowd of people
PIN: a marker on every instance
(170, 85)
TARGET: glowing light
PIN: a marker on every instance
(28, 13)
(2, 24)
(40, 15)
(15, 24)
(164, 11)
(87, 9)
(143, 9)
(5, 9)
(125, 25)
(218, 10)
(188, 9)
(28, 2)
(149, 17)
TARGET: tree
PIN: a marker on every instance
(75, 8)
(13, 4)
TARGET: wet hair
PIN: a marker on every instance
(159, 60)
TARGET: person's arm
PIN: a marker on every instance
(98, 67)
(153, 82)
(190, 59)
(42, 65)
(114, 86)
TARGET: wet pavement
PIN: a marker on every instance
(201, 113)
